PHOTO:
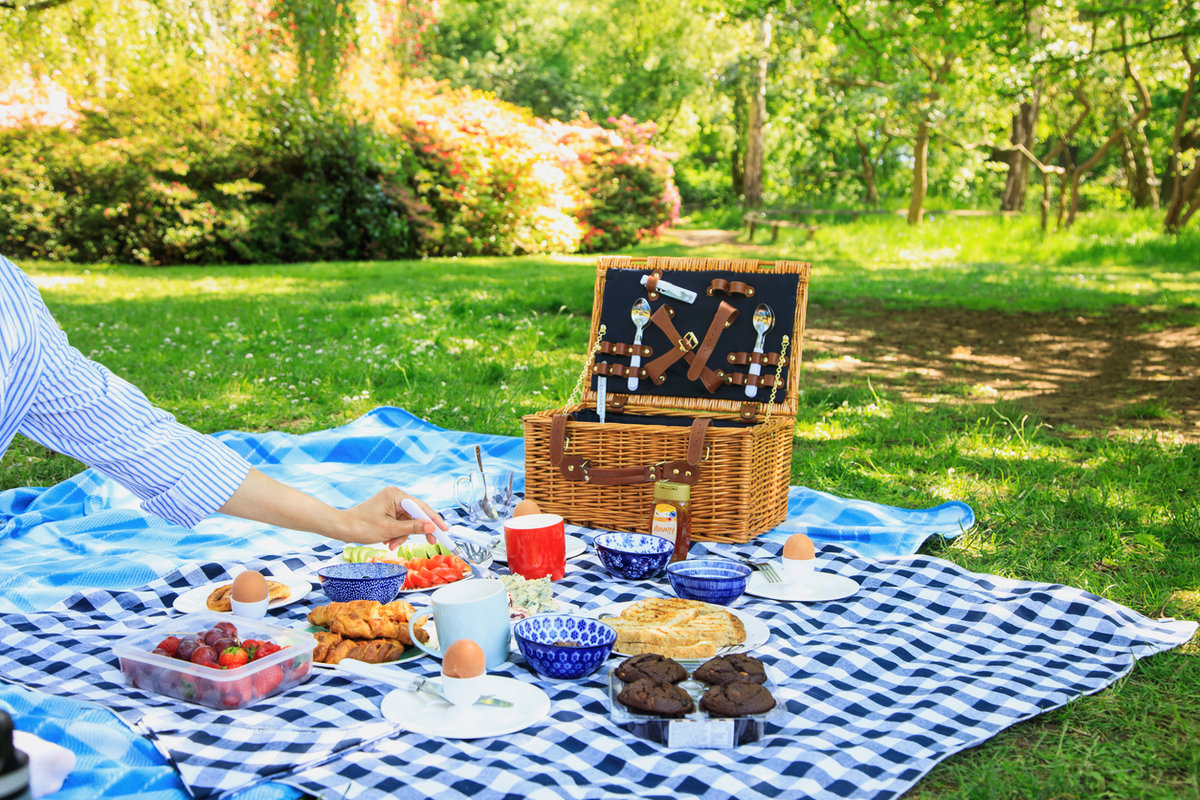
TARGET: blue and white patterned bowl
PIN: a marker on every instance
(710, 580)
(367, 581)
(633, 556)
(564, 645)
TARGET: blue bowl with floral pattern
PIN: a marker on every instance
(633, 556)
(371, 580)
(709, 580)
(564, 645)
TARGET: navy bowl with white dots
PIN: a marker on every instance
(591, 642)
(708, 580)
(633, 556)
(367, 581)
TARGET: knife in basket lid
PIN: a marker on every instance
(405, 681)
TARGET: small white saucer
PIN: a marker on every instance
(817, 587)
(428, 716)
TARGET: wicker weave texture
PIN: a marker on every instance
(742, 490)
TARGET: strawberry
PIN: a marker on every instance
(265, 649)
(251, 647)
(267, 680)
(235, 694)
(170, 645)
(232, 657)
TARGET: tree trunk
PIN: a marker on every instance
(1024, 125)
(753, 186)
(920, 181)
(1139, 166)
(1184, 197)
(868, 173)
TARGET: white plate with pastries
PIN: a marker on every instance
(196, 599)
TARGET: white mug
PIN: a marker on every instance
(475, 609)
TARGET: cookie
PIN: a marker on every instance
(221, 598)
(652, 666)
(737, 700)
(734, 668)
(654, 697)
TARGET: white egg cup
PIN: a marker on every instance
(255, 610)
(797, 570)
(462, 691)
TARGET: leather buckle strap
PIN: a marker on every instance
(684, 345)
(579, 469)
(619, 370)
(747, 379)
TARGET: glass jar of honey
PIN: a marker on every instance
(671, 516)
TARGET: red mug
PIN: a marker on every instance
(536, 546)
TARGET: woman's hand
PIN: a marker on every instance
(381, 519)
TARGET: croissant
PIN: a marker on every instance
(365, 619)
(332, 648)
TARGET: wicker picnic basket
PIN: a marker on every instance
(691, 418)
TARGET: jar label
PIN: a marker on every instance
(665, 522)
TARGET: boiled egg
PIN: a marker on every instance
(799, 547)
(463, 659)
(250, 587)
(524, 507)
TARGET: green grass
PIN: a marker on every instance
(475, 343)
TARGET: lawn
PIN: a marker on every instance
(475, 343)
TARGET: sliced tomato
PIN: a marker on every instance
(418, 580)
(447, 574)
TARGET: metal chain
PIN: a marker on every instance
(783, 348)
(577, 392)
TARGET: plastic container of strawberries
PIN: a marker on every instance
(228, 688)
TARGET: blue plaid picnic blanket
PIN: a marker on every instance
(924, 660)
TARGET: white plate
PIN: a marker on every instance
(419, 713)
(816, 588)
(757, 631)
(575, 547)
(197, 599)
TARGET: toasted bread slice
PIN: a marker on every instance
(662, 610)
(700, 649)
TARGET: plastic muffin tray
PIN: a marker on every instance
(699, 729)
(232, 688)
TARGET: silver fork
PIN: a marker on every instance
(767, 569)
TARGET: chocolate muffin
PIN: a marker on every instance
(655, 697)
(734, 668)
(652, 666)
(737, 700)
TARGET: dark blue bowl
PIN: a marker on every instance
(372, 580)
(564, 645)
(710, 580)
(633, 556)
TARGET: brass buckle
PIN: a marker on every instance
(690, 340)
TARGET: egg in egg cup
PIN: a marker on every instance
(463, 669)
(799, 558)
(250, 595)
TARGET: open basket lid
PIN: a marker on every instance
(718, 346)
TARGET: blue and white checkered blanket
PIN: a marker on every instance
(923, 661)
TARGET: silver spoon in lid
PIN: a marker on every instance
(640, 313)
(763, 320)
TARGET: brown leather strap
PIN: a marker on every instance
(711, 379)
(725, 316)
(770, 359)
(746, 379)
(662, 318)
(652, 285)
(622, 349)
(729, 287)
(620, 370)
(577, 468)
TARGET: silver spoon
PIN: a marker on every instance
(641, 315)
(763, 320)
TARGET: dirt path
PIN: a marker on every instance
(1124, 370)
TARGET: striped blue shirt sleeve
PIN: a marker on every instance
(82, 409)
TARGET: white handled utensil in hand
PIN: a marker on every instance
(641, 315)
(763, 320)
(415, 511)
